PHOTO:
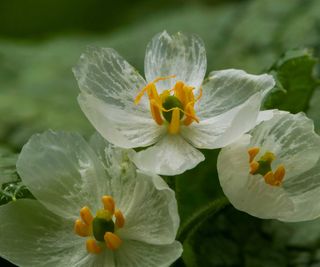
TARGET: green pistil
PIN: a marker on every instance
(100, 227)
(169, 103)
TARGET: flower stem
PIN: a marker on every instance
(196, 220)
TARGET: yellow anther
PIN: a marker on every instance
(174, 125)
(108, 204)
(253, 151)
(269, 178)
(254, 166)
(156, 112)
(279, 174)
(86, 215)
(190, 115)
(92, 246)
(113, 242)
(81, 228)
(119, 218)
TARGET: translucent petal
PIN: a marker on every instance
(179, 54)
(118, 126)
(103, 73)
(170, 156)
(292, 139)
(247, 192)
(138, 254)
(227, 89)
(33, 236)
(152, 216)
(224, 129)
(62, 172)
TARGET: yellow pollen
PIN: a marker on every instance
(253, 151)
(119, 218)
(113, 242)
(182, 92)
(263, 167)
(92, 246)
(108, 204)
(102, 227)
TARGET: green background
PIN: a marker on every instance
(40, 41)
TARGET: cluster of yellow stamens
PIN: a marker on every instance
(175, 105)
(100, 229)
(263, 167)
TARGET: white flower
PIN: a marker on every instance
(129, 219)
(173, 109)
(274, 172)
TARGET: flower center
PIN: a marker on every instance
(263, 167)
(101, 229)
(175, 105)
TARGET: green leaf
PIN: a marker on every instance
(296, 81)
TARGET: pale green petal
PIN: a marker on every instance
(152, 216)
(32, 236)
(170, 156)
(62, 172)
(120, 127)
(138, 254)
(292, 139)
(247, 192)
(103, 73)
(227, 89)
(224, 129)
(178, 54)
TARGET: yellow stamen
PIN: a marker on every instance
(268, 156)
(279, 174)
(108, 204)
(150, 86)
(113, 242)
(254, 166)
(253, 151)
(81, 228)
(86, 215)
(119, 218)
(174, 125)
(156, 112)
(269, 178)
(190, 115)
(104, 214)
(92, 246)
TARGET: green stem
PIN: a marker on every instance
(200, 216)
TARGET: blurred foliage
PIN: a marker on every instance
(38, 91)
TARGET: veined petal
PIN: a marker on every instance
(152, 216)
(247, 192)
(292, 139)
(62, 172)
(224, 129)
(139, 254)
(32, 236)
(170, 156)
(103, 73)
(227, 89)
(119, 126)
(179, 54)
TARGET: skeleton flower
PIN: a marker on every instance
(173, 111)
(274, 172)
(93, 208)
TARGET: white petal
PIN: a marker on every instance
(170, 156)
(179, 54)
(103, 73)
(152, 215)
(266, 115)
(247, 192)
(138, 254)
(227, 89)
(62, 172)
(224, 129)
(292, 139)
(33, 236)
(119, 126)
